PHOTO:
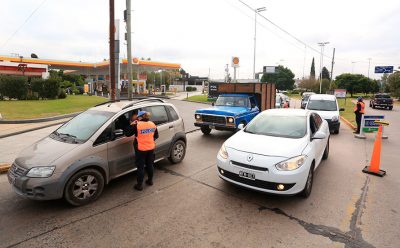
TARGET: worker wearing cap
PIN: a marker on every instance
(359, 111)
(146, 133)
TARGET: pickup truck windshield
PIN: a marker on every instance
(80, 128)
(232, 101)
(322, 105)
(278, 126)
(382, 96)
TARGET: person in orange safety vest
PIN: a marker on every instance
(146, 133)
(359, 111)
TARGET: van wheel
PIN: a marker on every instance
(84, 187)
(178, 152)
(326, 151)
(391, 107)
(205, 130)
(309, 183)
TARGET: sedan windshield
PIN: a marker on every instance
(233, 101)
(279, 126)
(80, 128)
(323, 105)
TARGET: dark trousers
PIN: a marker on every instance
(145, 160)
(358, 121)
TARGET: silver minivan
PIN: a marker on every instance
(77, 160)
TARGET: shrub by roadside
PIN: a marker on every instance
(13, 87)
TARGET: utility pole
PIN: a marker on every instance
(333, 62)
(255, 38)
(369, 65)
(112, 50)
(322, 45)
(127, 18)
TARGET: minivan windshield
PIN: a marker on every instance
(322, 105)
(232, 101)
(278, 126)
(83, 126)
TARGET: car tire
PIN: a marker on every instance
(84, 187)
(178, 152)
(336, 131)
(373, 106)
(205, 130)
(326, 151)
(309, 183)
(390, 108)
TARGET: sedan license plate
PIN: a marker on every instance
(247, 175)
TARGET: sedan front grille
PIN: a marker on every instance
(213, 119)
(17, 170)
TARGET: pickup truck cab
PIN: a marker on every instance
(227, 113)
(381, 100)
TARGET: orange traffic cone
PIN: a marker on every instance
(373, 167)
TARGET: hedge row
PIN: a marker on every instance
(190, 88)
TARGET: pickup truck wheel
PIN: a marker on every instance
(84, 187)
(205, 130)
(178, 152)
(373, 106)
(391, 107)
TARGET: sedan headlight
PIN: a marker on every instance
(222, 152)
(335, 118)
(230, 119)
(197, 116)
(292, 163)
(43, 171)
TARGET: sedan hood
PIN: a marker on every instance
(267, 145)
(43, 153)
(223, 110)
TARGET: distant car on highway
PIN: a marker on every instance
(328, 108)
(78, 159)
(381, 100)
(304, 99)
(277, 152)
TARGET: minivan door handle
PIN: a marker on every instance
(171, 127)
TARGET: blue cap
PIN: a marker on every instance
(141, 113)
(359, 98)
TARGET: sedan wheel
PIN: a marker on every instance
(308, 187)
(84, 187)
(178, 152)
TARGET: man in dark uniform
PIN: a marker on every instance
(359, 111)
(146, 133)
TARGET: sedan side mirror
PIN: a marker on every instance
(241, 126)
(118, 133)
(319, 135)
(341, 109)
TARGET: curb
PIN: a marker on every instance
(348, 123)
(31, 129)
(4, 168)
(209, 103)
(46, 119)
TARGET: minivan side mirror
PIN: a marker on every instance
(241, 126)
(341, 109)
(118, 133)
(319, 135)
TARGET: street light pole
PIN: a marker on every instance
(129, 46)
(112, 52)
(255, 38)
(369, 65)
(322, 45)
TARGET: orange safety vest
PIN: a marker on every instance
(145, 135)
(362, 104)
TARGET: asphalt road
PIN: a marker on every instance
(190, 206)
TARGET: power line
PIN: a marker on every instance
(23, 24)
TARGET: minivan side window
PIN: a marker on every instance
(174, 116)
(158, 114)
(104, 137)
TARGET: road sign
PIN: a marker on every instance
(369, 124)
(235, 62)
(269, 69)
(383, 69)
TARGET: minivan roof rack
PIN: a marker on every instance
(112, 101)
(143, 99)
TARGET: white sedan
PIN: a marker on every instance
(277, 152)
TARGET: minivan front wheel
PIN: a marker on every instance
(178, 152)
(84, 187)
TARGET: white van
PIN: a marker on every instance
(327, 107)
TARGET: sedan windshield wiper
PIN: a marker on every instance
(68, 135)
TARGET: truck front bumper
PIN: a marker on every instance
(215, 126)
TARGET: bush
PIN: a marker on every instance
(62, 94)
(14, 87)
(190, 88)
(46, 89)
(37, 87)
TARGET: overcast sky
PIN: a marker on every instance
(204, 35)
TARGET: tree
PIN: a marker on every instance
(325, 73)
(394, 84)
(312, 72)
(307, 84)
(355, 83)
(283, 78)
